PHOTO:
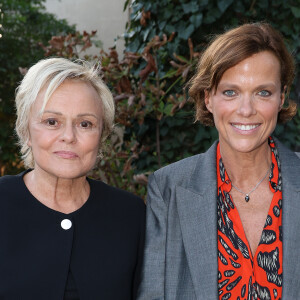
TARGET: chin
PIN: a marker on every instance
(247, 146)
(66, 172)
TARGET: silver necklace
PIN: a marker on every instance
(247, 195)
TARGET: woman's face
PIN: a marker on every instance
(65, 138)
(246, 103)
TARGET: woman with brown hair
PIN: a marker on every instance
(225, 224)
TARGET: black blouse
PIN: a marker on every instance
(100, 245)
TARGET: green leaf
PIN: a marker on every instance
(168, 109)
(190, 7)
(185, 32)
(151, 33)
(146, 33)
(150, 6)
(211, 16)
(203, 3)
(296, 11)
(161, 107)
(126, 5)
(183, 58)
(171, 73)
(263, 4)
(239, 7)
(134, 46)
(162, 25)
(224, 4)
(136, 7)
(167, 14)
(196, 19)
(170, 28)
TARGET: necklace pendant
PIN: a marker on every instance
(247, 198)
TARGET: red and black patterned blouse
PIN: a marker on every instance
(242, 276)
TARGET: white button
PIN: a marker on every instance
(66, 224)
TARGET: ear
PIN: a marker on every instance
(282, 97)
(207, 100)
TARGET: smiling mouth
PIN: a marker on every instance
(245, 127)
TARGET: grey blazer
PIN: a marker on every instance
(181, 237)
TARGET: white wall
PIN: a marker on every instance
(105, 16)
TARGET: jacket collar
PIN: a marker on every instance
(197, 209)
(204, 174)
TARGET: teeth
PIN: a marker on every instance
(245, 127)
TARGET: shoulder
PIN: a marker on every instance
(285, 153)
(9, 179)
(179, 173)
(10, 182)
(115, 196)
(289, 163)
(11, 191)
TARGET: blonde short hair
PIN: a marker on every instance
(51, 73)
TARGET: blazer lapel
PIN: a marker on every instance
(290, 166)
(197, 210)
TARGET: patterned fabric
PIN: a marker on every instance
(242, 276)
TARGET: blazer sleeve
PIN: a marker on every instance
(153, 272)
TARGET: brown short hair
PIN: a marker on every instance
(230, 48)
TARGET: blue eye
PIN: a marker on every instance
(229, 93)
(264, 93)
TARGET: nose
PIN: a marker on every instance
(246, 106)
(68, 134)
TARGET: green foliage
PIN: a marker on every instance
(25, 25)
(199, 19)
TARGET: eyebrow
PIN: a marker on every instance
(52, 112)
(261, 86)
(60, 114)
(266, 85)
(87, 114)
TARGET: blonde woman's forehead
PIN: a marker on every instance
(76, 97)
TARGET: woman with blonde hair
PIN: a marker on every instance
(225, 224)
(66, 236)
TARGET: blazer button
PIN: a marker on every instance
(66, 224)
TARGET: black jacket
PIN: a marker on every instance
(103, 247)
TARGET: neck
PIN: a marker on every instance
(246, 169)
(64, 195)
